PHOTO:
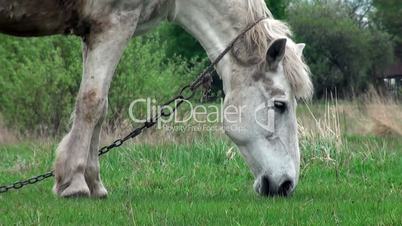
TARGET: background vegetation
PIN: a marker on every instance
(348, 43)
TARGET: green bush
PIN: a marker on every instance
(40, 78)
(38, 82)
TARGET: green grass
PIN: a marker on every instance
(197, 185)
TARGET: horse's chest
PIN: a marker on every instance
(153, 9)
(152, 13)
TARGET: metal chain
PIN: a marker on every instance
(186, 93)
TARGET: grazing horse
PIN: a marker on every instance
(262, 77)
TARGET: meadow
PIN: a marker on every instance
(351, 168)
(202, 180)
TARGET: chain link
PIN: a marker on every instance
(186, 93)
(20, 184)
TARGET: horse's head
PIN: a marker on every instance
(260, 117)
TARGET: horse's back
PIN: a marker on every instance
(38, 17)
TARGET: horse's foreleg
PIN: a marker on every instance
(92, 176)
(76, 166)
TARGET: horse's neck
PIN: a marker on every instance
(210, 22)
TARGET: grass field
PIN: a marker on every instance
(358, 183)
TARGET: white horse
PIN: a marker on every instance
(263, 76)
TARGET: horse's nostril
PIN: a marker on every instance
(265, 184)
(268, 187)
(285, 188)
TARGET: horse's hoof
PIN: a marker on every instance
(99, 192)
(75, 190)
(75, 194)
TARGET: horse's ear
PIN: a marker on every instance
(275, 53)
(300, 48)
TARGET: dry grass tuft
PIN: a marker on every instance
(323, 131)
(327, 126)
(371, 114)
(385, 112)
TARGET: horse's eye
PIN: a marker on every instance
(280, 106)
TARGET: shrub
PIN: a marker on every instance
(344, 56)
(40, 77)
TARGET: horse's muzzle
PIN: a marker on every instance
(266, 186)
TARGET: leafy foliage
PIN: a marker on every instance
(39, 81)
(344, 57)
(180, 43)
(278, 8)
(40, 78)
(389, 15)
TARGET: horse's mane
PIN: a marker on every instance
(296, 70)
